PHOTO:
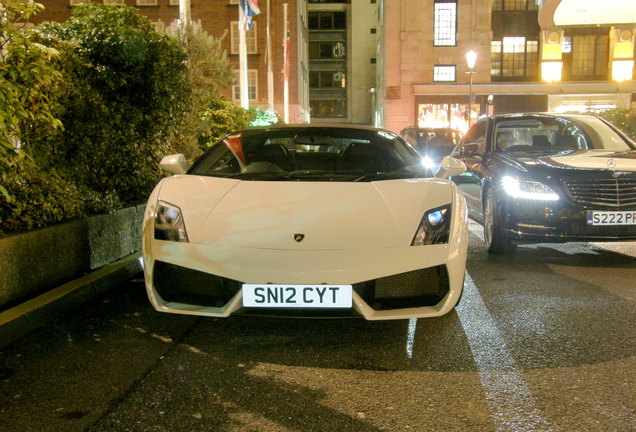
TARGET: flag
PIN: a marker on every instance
(250, 8)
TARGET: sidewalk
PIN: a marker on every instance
(21, 319)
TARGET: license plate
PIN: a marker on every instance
(297, 296)
(605, 218)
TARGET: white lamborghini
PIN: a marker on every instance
(306, 220)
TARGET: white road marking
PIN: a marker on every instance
(410, 337)
(476, 229)
(512, 405)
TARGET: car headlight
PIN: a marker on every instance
(434, 227)
(427, 162)
(528, 189)
(169, 224)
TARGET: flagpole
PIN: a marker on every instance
(270, 72)
(285, 66)
(243, 81)
(184, 12)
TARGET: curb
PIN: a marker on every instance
(21, 319)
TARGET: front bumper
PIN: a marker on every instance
(389, 283)
(558, 222)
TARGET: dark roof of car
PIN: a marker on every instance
(318, 126)
(545, 114)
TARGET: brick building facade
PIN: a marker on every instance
(217, 17)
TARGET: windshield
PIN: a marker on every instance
(311, 154)
(552, 133)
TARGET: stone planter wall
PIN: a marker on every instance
(35, 262)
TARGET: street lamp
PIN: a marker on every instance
(471, 59)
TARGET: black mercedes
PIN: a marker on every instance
(535, 178)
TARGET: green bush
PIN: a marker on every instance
(43, 199)
(622, 118)
(221, 117)
(27, 75)
(125, 95)
(122, 102)
(208, 71)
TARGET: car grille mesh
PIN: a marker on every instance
(182, 285)
(424, 287)
(612, 192)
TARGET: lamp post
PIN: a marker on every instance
(471, 59)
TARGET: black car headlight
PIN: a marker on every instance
(169, 224)
(528, 189)
(434, 227)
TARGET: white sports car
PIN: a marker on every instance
(306, 220)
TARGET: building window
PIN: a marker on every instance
(252, 85)
(445, 23)
(327, 50)
(327, 79)
(76, 2)
(514, 58)
(146, 2)
(444, 73)
(589, 57)
(511, 5)
(121, 2)
(327, 53)
(327, 21)
(515, 40)
(328, 108)
(250, 38)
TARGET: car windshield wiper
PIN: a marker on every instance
(316, 174)
(266, 175)
(391, 175)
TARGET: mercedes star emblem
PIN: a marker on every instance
(611, 163)
(299, 237)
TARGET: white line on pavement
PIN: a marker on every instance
(410, 337)
(511, 402)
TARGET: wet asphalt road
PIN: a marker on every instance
(542, 341)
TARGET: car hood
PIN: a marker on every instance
(328, 215)
(579, 159)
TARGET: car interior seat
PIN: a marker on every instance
(567, 141)
(276, 154)
(361, 157)
(540, 141)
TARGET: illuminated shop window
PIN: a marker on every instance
(444, 73)
(445, 24)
